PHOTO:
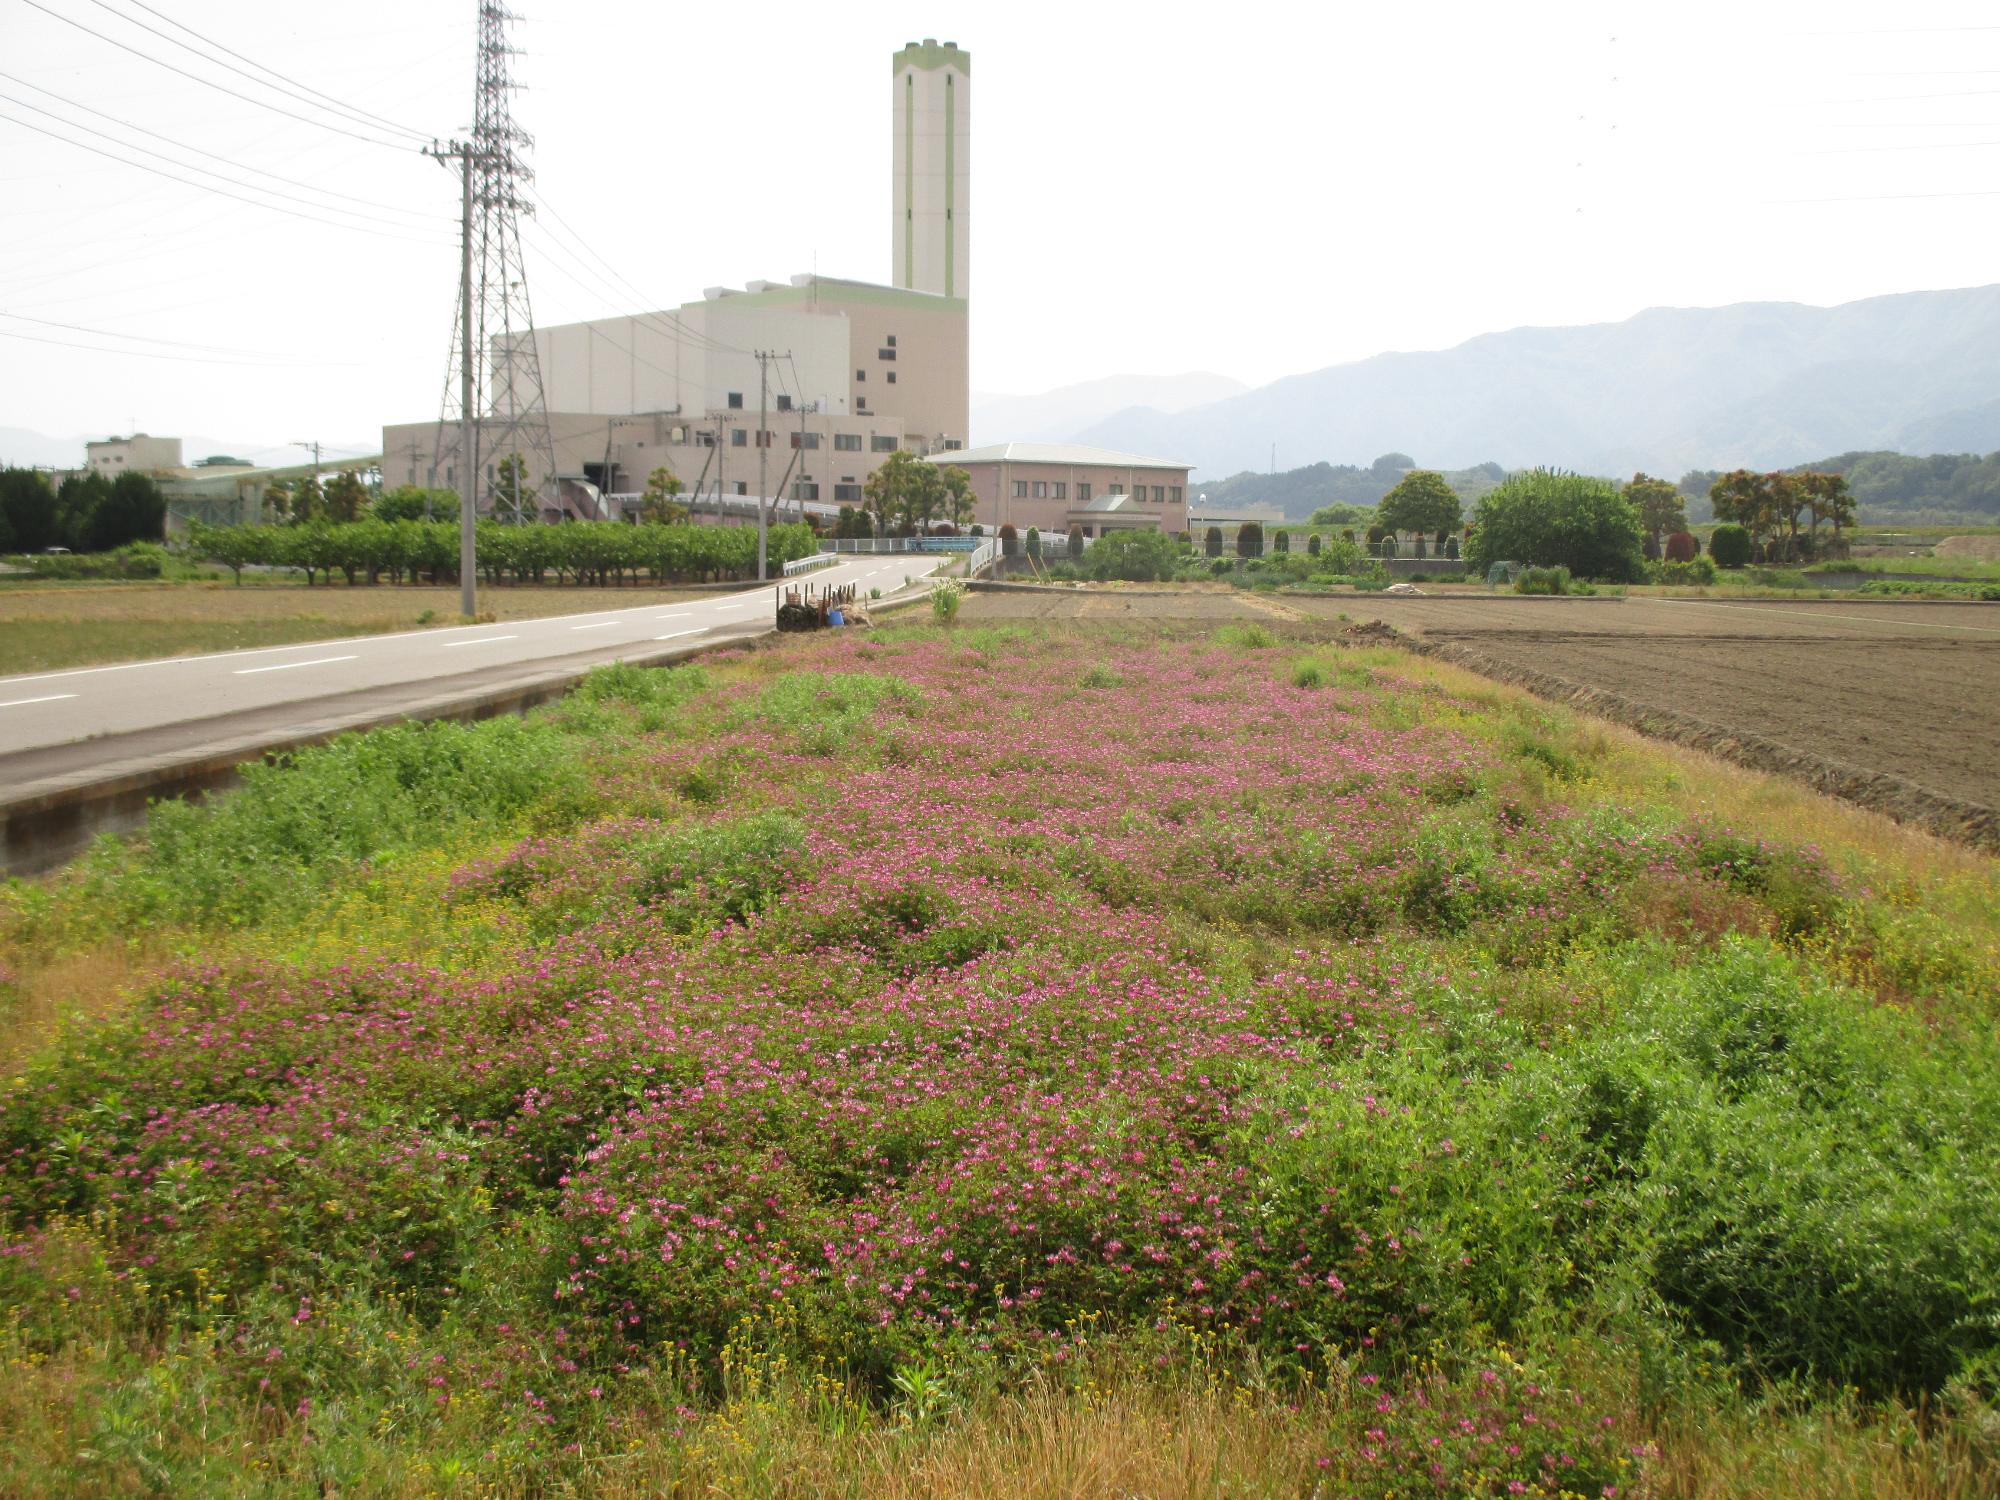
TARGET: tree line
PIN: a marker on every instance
(1908, 487)
(86, 513)
(582, 552)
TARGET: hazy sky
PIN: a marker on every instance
(1252, 188)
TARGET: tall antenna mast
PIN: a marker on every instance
(512, 459)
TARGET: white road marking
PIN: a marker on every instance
(679, 614)
(674, 636)
(741, 604)
(484, 640)
(1814, 614)
(24, 702)
(286, 666)
(600, 625)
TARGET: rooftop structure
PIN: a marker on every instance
(1054, 486)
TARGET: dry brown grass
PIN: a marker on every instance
(47, 994)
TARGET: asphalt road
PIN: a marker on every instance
(53, 709)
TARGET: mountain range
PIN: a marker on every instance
(1057, 416)
(1755, 384)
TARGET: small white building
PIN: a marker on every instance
(135, 454)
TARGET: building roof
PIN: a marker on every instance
(1108, 502)
(1077, 454)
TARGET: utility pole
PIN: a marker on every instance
(314, 447)
(763, 453)
(468, 412)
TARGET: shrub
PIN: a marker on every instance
(1010, 541)
(1035, 543)
(1139, 556)
(1544, 581)
(946, 595)
(1281, 542)
(1729, 545)
(1682, 546)
(1212, 543)
(1075, 543)
(1700, 571)
(1250, 540)
(1312, 545)
(1556, 519)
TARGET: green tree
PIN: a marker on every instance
(411, 502)
(513, 496)
(959, 501)
(658, 504)
(346, 498)
(27, 509)
(1281, 541)
(1550, 518)
(77, 502)
(1250, 540)
(1075, 543)
(132, 509)
(1212, 542)
(1729, 545)
(1035, 543)
(1342, 514)
(1660, 506)
(1828, 501)
(308, 501)
(895, 491)
(1421, 502)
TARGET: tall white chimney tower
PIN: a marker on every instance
(933, 158)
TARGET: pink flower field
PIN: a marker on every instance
(934, 1010)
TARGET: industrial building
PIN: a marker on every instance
(871, 367)
(1054, 486)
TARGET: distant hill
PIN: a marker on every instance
(1297, 493)
(1058, 416)
(1762, 385)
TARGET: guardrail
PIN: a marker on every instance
(800, 565)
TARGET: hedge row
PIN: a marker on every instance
(584, 552)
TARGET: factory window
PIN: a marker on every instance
(736, 401)
(953, 444)
(880, 444)
(1174, 494)
(860, 374)
(742, 486)
(1117, 489)
(739, 438)
(805, 489)
(677, 436)
(1083, 492)
(885, 353)
(861, 403)
(848, 491)
(705, 438)
(1020, 489)
(1041, 489)
(892, 341)
(892, 377)
(807, 440)
(763, 437)
(1159, 494)
(847, 442)
(784, 403)
(1062, 490)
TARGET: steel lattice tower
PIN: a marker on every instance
(506, 384)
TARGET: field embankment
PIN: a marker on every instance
(1026, 1059)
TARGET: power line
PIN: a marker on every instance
(287, 85)
(211, 83)
(206, 188)
(141, 338)
(186, 359)
(681, 329)
(188, 166)
(198, 151)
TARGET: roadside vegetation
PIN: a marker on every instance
(958, 1060)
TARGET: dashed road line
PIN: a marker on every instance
(484, 640)
(24, 702)
(286, 666)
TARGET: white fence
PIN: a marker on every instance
(800, 565)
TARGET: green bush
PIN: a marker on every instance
(1250, 540)
(1212, 543)
(1700, 571)
(1549, 581)
(1729, 546)
(1553, 519)
(1139, 556)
